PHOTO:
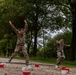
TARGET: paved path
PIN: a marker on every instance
(17, 61)
(14, 60)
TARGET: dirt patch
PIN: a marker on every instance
(16, 69)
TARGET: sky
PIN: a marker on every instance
(49, 34)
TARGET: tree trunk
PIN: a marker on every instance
(73, 44)
(29, 43)
(36, 30)
(35, 43)
(43, 41)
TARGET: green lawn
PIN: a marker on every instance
(53, 61)
(49, 61)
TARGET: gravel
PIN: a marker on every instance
(16, 69)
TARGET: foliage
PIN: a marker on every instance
(67, 35)
(50, 50)
(7, 45)
(44, 14)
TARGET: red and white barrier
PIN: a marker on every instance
(36, 65)
(26, 73)
(1, 65)
(64, 70)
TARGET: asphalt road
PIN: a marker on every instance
(18, 61)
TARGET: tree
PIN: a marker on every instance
(73, 44)
(50, 48)
(53, 14)
(70, 17)
(18, 10)
(38, 10)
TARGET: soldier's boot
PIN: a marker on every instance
(29, 67)
(58, 65)
(10, 59)
(27, 62)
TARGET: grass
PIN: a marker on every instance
(42, 60)
(49, 61)
(69, 64)
(53, 61)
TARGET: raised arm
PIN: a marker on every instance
(14, 28)
(66, 45)
(26, 25)
(56, 42)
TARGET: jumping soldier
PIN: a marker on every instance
(60, 52)
(20, 41)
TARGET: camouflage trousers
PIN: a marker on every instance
(61, 57)
(20, 48)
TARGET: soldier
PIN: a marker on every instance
(20, 41)
(60, 53)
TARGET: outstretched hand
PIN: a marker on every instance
(68, 45)
(25, 21)
(10, 22)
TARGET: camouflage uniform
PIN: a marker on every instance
(20, 45)
(60, 52)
